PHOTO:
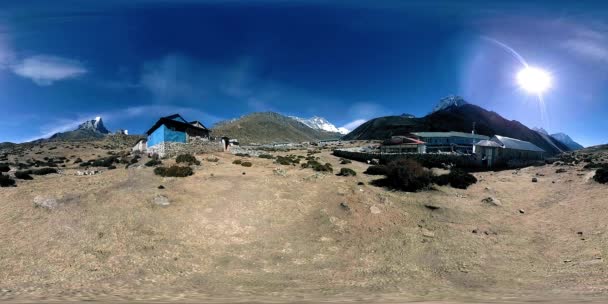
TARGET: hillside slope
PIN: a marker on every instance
(268, 127)
(454, 118)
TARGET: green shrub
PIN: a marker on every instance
(347, 172)
(442, 180)
(112, 167)
(242, 155)
(267, 156)
(78, 160)
(213, 159)
(24, 175)
(153, 162)
(4, 168)
(246, 164)
(6, 181)
(237, 161)
(407, 175)
(376, 170)
(173, 171)
(187, 158)
(601, 175)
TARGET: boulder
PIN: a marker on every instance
(492, 201)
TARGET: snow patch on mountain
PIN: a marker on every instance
(567, 140)
(94, 125)
(320, 123)
(449, 101)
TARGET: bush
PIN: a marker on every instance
(4, 168)
(104, 162)
(187, 158)
(246, 164)
(237, 161)
(347, 172)
(407, 175)
(601, 175)
(456, 178)
(111, 167)
(345, 161)
(173, 171)
(153, 162)
(23, 175)
(242, 155)
(267, 156)
(461, 179)
(213, 159)
(78, 160)
(376, 170)
(6, 181)
(44, 171)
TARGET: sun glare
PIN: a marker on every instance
(534, 80)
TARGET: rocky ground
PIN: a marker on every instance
(283, 233)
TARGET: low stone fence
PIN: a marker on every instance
(171, 149)
(426, 159)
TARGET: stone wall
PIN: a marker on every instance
(427, 159)
(195, 146)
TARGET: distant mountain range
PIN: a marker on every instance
(455, 114)
(268, 127)
(320, 123)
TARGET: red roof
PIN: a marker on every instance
(401, 140)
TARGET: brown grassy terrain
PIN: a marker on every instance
(232, 232)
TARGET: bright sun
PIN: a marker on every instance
(534, 80)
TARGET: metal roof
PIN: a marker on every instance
(488, 143)
(516, 144)
(450, 134)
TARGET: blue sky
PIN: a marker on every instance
(62, 62)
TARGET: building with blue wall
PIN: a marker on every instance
(171, 130)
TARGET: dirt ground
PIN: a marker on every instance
(233, 233)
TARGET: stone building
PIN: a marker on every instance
(172, 134)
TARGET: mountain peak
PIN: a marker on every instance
(94, 125)
(449, 101)
(320, 123)
(567, 140)
(540, 130)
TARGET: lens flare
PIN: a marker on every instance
(534, 80)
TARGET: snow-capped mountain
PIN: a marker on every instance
(540, 130)
(566, 140)
(449, 101)
(320, 123)
(94, 125)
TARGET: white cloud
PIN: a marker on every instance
(353, 124)
(44, 69)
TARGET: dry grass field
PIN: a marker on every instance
(233, 233)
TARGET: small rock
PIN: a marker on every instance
(244, 173)
(279, 172)
(360, 183)
(45, 202)
(567, 261)
(345, 206)
(580, 233)
(427, 233)
(492, 201)
(161, 187)
(161, 200)
(475, 231)
(374, 210)
(534, 179)
(431, 207)
(521, 211)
